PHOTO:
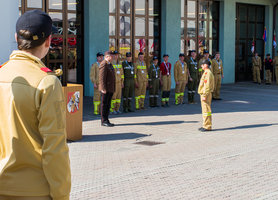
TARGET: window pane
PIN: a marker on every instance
(112, 25)
(251, 30)
(112, 6)
(140, 46)
(34, 3)
(125, 6)
(242, 13)
(112, 44)
(139, 26)
(243, 30)
(140, 7)
(72, 4)
(154, 8)
(182, 8)
(252, 14)
(19, 3)
(72, 23)
(57, 19)
(182, 46)
(203, 10)
(191, 44)
(191, 28)
(156, 26)
(259, 30)
(155, 47)
(202, 28)
(55, 4)
(191, 9)
(125, 46)
(151, 27)
(124, 26)
(214, 29)
(72, 66)
(260, 14)
(182, 28)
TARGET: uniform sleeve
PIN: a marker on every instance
(55, 153)
(222, 69)
(176, 71)
(122, 74)
(260, 60)
(208, 85)
(92, 74)
(102, 77)
(213, 66)
(150, 73)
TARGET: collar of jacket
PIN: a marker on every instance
(22, 55)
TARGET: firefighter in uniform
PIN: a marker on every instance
(257, 67)
(275, 64)
(119, 74)
(193, 77)
(165, 78)
(94, 74)
(181, 78)
(141, 82)
(154, 81)
(206, 87)
(205, 57)
(34, 156)
(129, 73)
(268, 69)
(217, 71)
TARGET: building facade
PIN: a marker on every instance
(84, 27)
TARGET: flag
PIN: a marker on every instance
(274, 41)
(265, 35)
(142, 44)
(253, 46)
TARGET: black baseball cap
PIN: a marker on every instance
(181, 54)
(205, 62)
(99, 54)
(165, 55)
(155, 58)
(128, 54)
(268, 54)
(206, 51)
(35, 21)
(191, 51)
(140, 53)
(115, 52)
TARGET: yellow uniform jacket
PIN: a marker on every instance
(94, 73)
(217, 67)
(141, 72)
(34, 159)
(206, 85)
(119, 73)
(180, 72)
(257, 62)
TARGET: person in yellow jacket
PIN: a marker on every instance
(206, 87)
(205, 57)
(257, 67)
(217, 71)
(119, 74)
(141, 82)
(181, 78)
(275, 65)
(34, 156)
(94, 74)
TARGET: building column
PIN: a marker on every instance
(96, 36)
(171, 31)
(9, 15)
(269, 27)
(227, 38)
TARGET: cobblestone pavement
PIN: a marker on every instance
(238, 160)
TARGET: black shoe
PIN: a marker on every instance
(130, 110)
(107, 124)
(218, 99)
(214, 98)
(203, 129)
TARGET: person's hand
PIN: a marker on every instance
(103, 91)
(122, 85)
(177, 83)
(147, 84)
(95, 86)
(204, 98)
(190, 79)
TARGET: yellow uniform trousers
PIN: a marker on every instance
(116, 98)
(179, 92)
(96, 101)
(206, 111)
(268, 76)
(276, 74)
(24, 198)
(256, 74)
(166, 87)
(140, 94)
(217, 86)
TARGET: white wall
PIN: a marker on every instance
(9, 13)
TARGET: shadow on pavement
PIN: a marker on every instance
(246, 127)
(112, 137)
(158, 123)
